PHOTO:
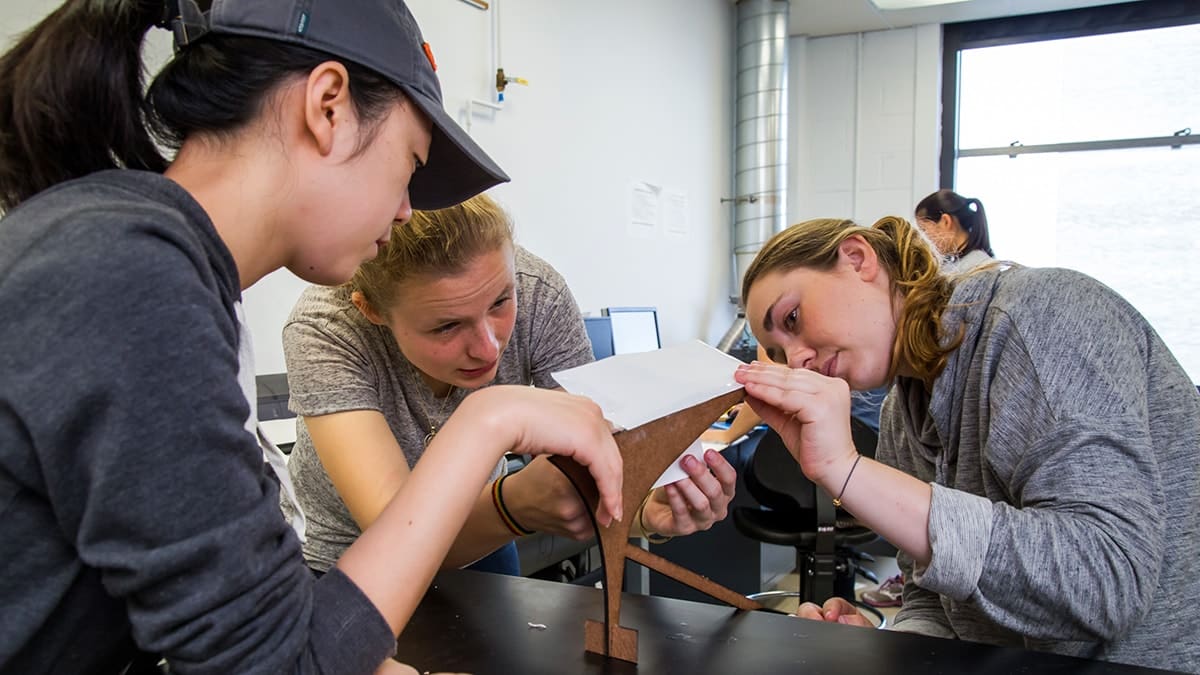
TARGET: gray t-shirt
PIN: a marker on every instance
(1062, 440)
(339, 361)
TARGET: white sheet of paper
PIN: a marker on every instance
(675, 472)
(633, 389)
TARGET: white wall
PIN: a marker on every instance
(865, 123)
(18, 16)
(620, 91)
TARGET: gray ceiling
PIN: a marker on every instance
(834, 17)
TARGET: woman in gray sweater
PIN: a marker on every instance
(1038, 458)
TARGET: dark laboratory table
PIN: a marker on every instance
(476, 622)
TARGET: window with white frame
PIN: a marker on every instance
(1085, 152)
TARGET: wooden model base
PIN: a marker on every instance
(646, 451)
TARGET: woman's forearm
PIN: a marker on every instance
(892, 503)
(483, 533)
(397, 556)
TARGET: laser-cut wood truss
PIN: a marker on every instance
(646, 451)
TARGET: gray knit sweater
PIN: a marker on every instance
(1063, 443)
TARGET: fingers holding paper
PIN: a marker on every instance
(694, 503)
(809, 411)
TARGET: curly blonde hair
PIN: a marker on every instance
(433, 243)
(913, 272)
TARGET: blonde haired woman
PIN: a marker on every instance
(376, 366)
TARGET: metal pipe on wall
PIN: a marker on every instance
(760, 150)
(760, 139)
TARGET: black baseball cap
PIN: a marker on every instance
(383, 36)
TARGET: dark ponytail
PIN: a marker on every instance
(969, 213)
(974, 220)
(72, 97)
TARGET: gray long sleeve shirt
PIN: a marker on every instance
(136, 512)
(1063, 444)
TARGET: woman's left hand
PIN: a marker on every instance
(693, 503)
(542, 499)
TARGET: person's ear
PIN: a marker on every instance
(360, 301)
(328, 107)
(948, 224)
(860, 256)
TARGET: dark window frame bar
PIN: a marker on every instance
(1143, 15)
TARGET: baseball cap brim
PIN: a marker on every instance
(457, 169)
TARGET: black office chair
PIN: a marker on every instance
(797, 513)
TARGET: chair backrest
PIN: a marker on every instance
(775, 480)
(865, 438)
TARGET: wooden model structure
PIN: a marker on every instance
(646, 451)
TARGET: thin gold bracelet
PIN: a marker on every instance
(837, 501)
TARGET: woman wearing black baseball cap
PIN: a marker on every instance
(139, 505)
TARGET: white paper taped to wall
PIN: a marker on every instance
(633, 389)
